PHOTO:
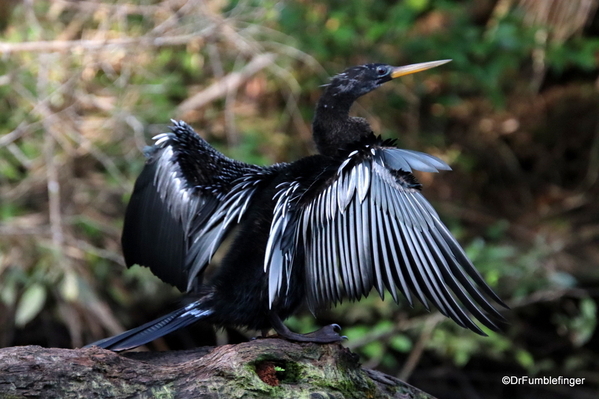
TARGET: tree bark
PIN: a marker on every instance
(263, 368)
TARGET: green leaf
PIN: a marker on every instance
(69, 287)
(417, 5)
(355, 332)
(461, 358)
(8, 292)
(525, 359)
(31, 303)
(584, 325)
(401, 343)
(374, 350)
(563, 279)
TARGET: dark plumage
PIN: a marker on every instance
(315, 231)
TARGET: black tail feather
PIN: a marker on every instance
(154, 329)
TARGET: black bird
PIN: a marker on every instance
(315, 231)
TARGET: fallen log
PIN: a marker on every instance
(262, 368)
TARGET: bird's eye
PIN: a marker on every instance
(381, 70)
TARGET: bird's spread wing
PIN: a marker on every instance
(365, 224)
(186, 199)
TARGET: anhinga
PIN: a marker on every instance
(315, 231)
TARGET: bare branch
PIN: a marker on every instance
(228, 83)
(418, 350)
(90, 6)
(54, 206)
(86, 45)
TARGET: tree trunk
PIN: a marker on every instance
(263, 368)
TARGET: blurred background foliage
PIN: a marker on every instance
(84, 85)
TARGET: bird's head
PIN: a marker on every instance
(359, 80)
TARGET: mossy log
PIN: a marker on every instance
(263, 368)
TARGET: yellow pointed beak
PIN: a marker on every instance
(413, 68)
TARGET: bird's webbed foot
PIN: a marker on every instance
(325, 335)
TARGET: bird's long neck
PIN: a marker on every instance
(332, 128)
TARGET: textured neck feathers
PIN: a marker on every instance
(332, 128)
